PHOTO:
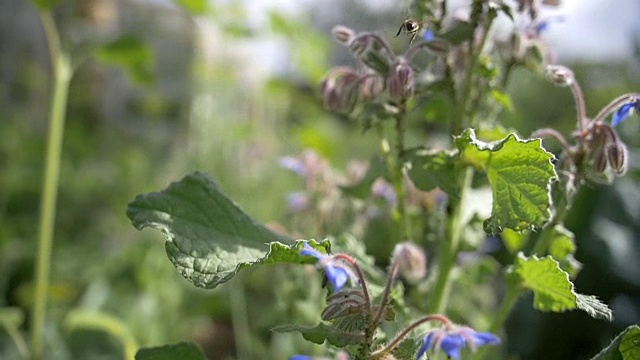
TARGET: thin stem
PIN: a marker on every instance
(509, 301)
(576, 90)
(62, 72)
(385, 296)
(240, 320)
(450, 248)
(463, 112)
(614, 105)
(17, 339)
(435, 317)
(361, 278)
(550, 132)
(398, 176)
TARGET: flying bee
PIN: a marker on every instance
(410, 27)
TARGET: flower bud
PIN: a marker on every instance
(371, 86)
(343, 34)
(400, 80)
(372, 51)
(343, 303)
(411, 261)
(618, 156)
(340, 89)
(560, 75)
(600, 161)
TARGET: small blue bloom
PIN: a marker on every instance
(624, 111)
(300, 357)
(336, 273)
(298, 201)
(452, 339)
(428, 35)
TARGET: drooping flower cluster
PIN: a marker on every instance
(453, 338)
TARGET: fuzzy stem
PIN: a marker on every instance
(449, 248)
(576, 90)
(434, 317)
(361, 278)
(385, 296)
(549, 132)
(509, 301)
(613, 106)
(62, 72)
(398, 177)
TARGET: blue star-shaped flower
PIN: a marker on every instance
(300, 357)
(624, 111)
(453, 339)
(336, 273)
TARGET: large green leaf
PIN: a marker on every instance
(520, 173)
(209, 238)
(626, 346)
(183, 351)
(552, 289)
(196, 7)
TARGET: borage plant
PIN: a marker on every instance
(437, 197)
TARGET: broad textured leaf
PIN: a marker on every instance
(130, 53)
(196, 7)
(208, 237)
(431, 169)
(183, 351)
(320, 333)
(626, 346)
(520, 173)
(552, 289)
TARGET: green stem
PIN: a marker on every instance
(17, 339)
(62, 72)
(509, 301)
(240, 320)
(398, 177)
(450, 247)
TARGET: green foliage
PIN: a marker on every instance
(132, 54)
(431, 169)
(208, 237)
(45, 4)
(520, 173)
(626, 346)
(552, 289)
(183, 351)
(320, 333)
(196, 7)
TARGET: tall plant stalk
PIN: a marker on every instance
(61, 76)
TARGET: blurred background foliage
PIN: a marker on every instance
(164, 88)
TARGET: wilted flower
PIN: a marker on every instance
(618, 156)
(411, 261)
(453, 338)
(382, 188)
(337, 273)
(625, 110)
(560, 75)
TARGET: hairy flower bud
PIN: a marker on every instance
(343, 34)
(560, 75)
(411, 261)
(340, 89)
(343, 303)
(400, 80)
(600, 161)
(372, 51)
(618, 156)
(371, 86)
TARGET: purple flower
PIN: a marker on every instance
(294, 164)
(336, 272)
(624, 111)
(300, 357)
(298, 201)
(381, 188)
(454, 338)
